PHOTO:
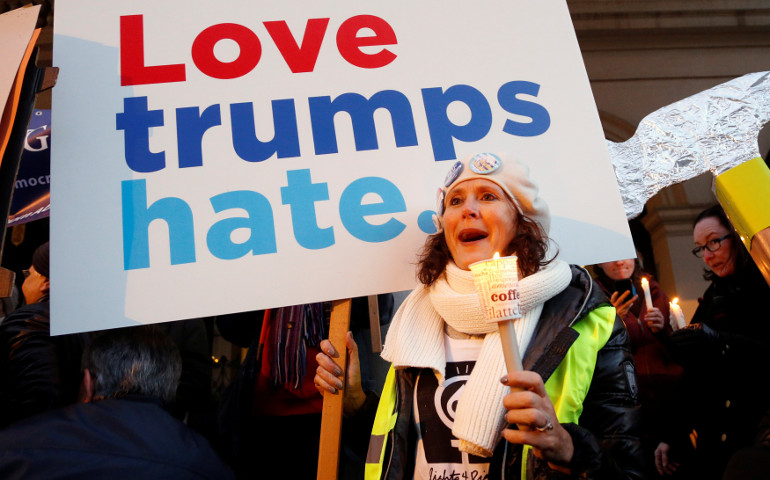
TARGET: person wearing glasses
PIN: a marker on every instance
(724, 352)
(37, 371)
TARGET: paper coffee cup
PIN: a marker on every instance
(497, 283)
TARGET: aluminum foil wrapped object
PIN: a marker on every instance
(714, 130)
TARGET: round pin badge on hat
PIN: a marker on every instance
(484, 163)
(453, 173)
(440, 195)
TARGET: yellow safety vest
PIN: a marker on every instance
(567, 387)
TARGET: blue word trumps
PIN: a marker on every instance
(138, 119)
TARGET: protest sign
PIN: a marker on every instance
(232, 156)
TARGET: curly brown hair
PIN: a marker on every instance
(530, 244)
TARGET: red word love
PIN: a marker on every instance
(299, 57)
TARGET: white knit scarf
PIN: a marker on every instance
(416, 339)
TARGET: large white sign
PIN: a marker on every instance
(213, 157)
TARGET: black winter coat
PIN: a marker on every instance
(128, 438)
(725, 355)
(37, 371)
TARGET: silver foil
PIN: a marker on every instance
(714, 130)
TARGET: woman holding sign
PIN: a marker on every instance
(449, 408)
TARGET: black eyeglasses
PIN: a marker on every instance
(712, 246)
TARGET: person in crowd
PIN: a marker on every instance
(449, 408)
(658, 375)
(37, 371)
(120, 429)
(724, 353)
(275, 391)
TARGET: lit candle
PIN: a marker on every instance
(677, 317)
(647, 296)
(497, 283)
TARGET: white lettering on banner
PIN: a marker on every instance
(40, 210)
(40, 136)
(33, 181)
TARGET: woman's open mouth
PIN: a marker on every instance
(471, 235)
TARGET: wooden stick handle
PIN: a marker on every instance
(374, 323)
(331, 418)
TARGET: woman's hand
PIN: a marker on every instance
(329, 378)
(530, 408)
(618, 301)
(662, 462)
(654, 319)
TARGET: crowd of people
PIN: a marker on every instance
(610, 388)
(604, 393)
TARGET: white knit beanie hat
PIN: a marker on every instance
(507, 172)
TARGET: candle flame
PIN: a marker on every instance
(675, 300)
(644, 280)
(497, 256)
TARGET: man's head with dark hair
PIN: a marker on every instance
(136, 360)
(36, 279)
(40, 259)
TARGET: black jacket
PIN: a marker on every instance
(127, 438)
(37, 371)
(606, 440)
(724, 352)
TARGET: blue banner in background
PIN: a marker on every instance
(31, 195)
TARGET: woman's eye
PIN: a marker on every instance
(489, 196)
(454, 201)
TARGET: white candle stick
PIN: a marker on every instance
(510, 346)
(677, 316)
(647, 296)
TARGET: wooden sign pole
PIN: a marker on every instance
(331, 417)
(374, 323)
